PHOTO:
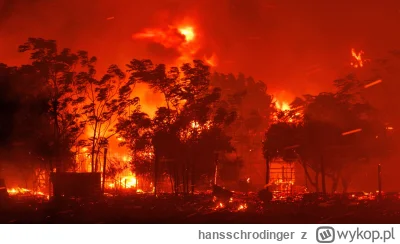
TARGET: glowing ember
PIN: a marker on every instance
(359, 61)
(220, 205)
(372, 83)
(351, 132)
(242, 207)
(194, 124)
(24, 191)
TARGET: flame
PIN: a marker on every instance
(242, 207)
(187, 32)
(282, 105)
(194, 124)
(359, 60)
(182, 37)
(126, 182)
(220, 205)
(24, 191)
(212, 61)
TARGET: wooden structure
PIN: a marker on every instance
(70, 184)
(282, 175)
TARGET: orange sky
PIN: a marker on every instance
(296, 47)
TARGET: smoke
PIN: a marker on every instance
(296, 46)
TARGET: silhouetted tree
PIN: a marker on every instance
(106, 101)
(57, 70)
(187, 131)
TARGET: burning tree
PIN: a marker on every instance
(253, 106)
(321, 141)
(186, 132)
(106, 102)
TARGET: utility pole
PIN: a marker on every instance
(323, 175)
(104, 169)
(216, 169)
(379, 182)
(267, 171)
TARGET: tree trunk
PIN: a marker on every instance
(335, 180)
(56, 136)
(323, 183)
(176, 184)
(104, 169)
(316, 181)
(156, 164)
(193, 175)
(93, 146)
(308, 177)
(345, 184)
(172, 183)
(267, 171)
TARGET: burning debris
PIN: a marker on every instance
(221, 194)
(359, 60)
(372, 83)
(351, 132)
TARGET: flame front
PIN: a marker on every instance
(282, 105)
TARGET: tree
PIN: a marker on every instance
(321, 138)
(189, 125)
(57, 70)
(107, 100)
(253, 106)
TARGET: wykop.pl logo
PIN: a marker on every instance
(325, 234)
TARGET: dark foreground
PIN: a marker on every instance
(201, 209)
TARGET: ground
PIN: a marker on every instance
(200, 208)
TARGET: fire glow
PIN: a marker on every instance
(182, 38)
(358, 58)
(351, 132)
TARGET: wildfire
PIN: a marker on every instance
(183, 38)
(359, 60)
(220, 205)
(195, 127)
(282, 105)
(187, 32)
(24, 191)
(212, 61)
(242, 207)
(126, 182)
